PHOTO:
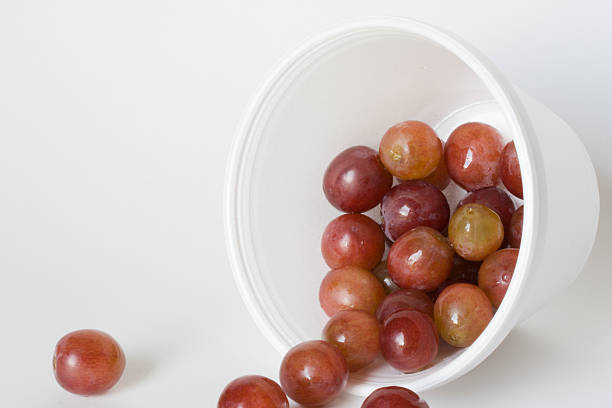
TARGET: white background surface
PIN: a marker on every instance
(115, 121)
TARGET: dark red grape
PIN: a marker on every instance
(394, 397)
(410, 150)
(353, 239)
(463, 271)
(355, 181)
(510, 170)
(475, 231)
(313, 373)
(253, 391)
(496, 272)
(412, 204)
(356, 334)
(409, 341)
(420, 259)
(462, 312)
(88, 362)
(495, 199)
(516, 228)
(382, 274)
(410, 299)
(472, 154)
(350, 287)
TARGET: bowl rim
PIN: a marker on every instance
(236, 188)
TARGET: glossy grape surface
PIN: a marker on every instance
(463, 271)
(475, 231)
(404, 299)
(510, 170)
(355, 181)
(420, 259)
(495, 199)
(350, 287)
(410, 150)
(412, 204)
(313, 373)
(394, 397)
(353, 239)
(88, 362)
(472, 153)
(356, 334)
(382, 274)
(439, 177)
(409, 341)
(516, 228)
(496, 272)
(462, 312)
(253, 391)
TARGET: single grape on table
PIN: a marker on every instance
(394, 397)
(350, 287)
(355, 181)
(353, 240)
(410, 150)
(88, 362)
(253, 391)
(413, 204)
(356, 334)
(472, 154)
(420, 259)
(313, 373)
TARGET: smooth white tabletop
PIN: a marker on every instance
(116, 118)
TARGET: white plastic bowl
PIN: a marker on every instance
(345, 88)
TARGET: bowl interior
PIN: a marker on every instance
(341, 93)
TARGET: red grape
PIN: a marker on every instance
(413, 204)
(394, 397)
(382, 274)
(313, 373)
(475, 231)
(496, 272)
(462, 312)
(516, 228)
(463, 271)
(355, 181)
(510, 170)
(495, 199)
(353, 239)
(253, 391)
(421, 259)
(350, 287)
(410, 299)
(410, 150)
(472, 154)
(439, 177)
(356, 334)
(409, 341)
(88, 362)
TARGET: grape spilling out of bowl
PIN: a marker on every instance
(443, 278)
(445, 274)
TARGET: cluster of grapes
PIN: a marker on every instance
(443, 275)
